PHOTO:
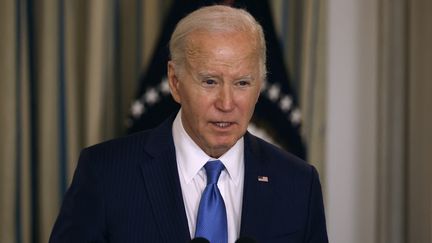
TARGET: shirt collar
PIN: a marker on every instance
(191, 158)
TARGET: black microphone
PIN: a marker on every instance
(199, 240)
(246, 240)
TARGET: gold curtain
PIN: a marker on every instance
(301, 27)
(68, 72)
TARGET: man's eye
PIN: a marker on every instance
(209, 82)
(243, 83)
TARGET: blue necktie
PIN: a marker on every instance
(212, 219)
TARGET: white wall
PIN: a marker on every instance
(351, 155)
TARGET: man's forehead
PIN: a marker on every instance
(210, 53)
(220, 46)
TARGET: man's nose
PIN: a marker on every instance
(225, 101)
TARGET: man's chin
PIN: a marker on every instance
(219, 149)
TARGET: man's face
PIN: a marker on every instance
(217, 88)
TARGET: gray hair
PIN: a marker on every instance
(217, 18)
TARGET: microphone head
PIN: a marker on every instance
(199, 240)
(246, 240)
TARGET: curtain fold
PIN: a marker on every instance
(301, 27)
(8, 105)
(312, 88)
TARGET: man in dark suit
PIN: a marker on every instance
(200, 173)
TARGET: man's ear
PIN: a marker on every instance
(173, 82)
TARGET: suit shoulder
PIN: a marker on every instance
(120, 144)
(158, 137)
(276, 157)
(122, 147)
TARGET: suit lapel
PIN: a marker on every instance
(254, 167)
(163, 186)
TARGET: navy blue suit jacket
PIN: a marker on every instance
(128, 190)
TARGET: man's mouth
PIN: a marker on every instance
(222, 124)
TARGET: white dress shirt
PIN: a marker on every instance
(193, 179)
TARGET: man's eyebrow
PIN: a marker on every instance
(207, 74)
(247, 77)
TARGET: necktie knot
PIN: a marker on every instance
(213, 171)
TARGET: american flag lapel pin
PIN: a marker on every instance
(263, 179)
